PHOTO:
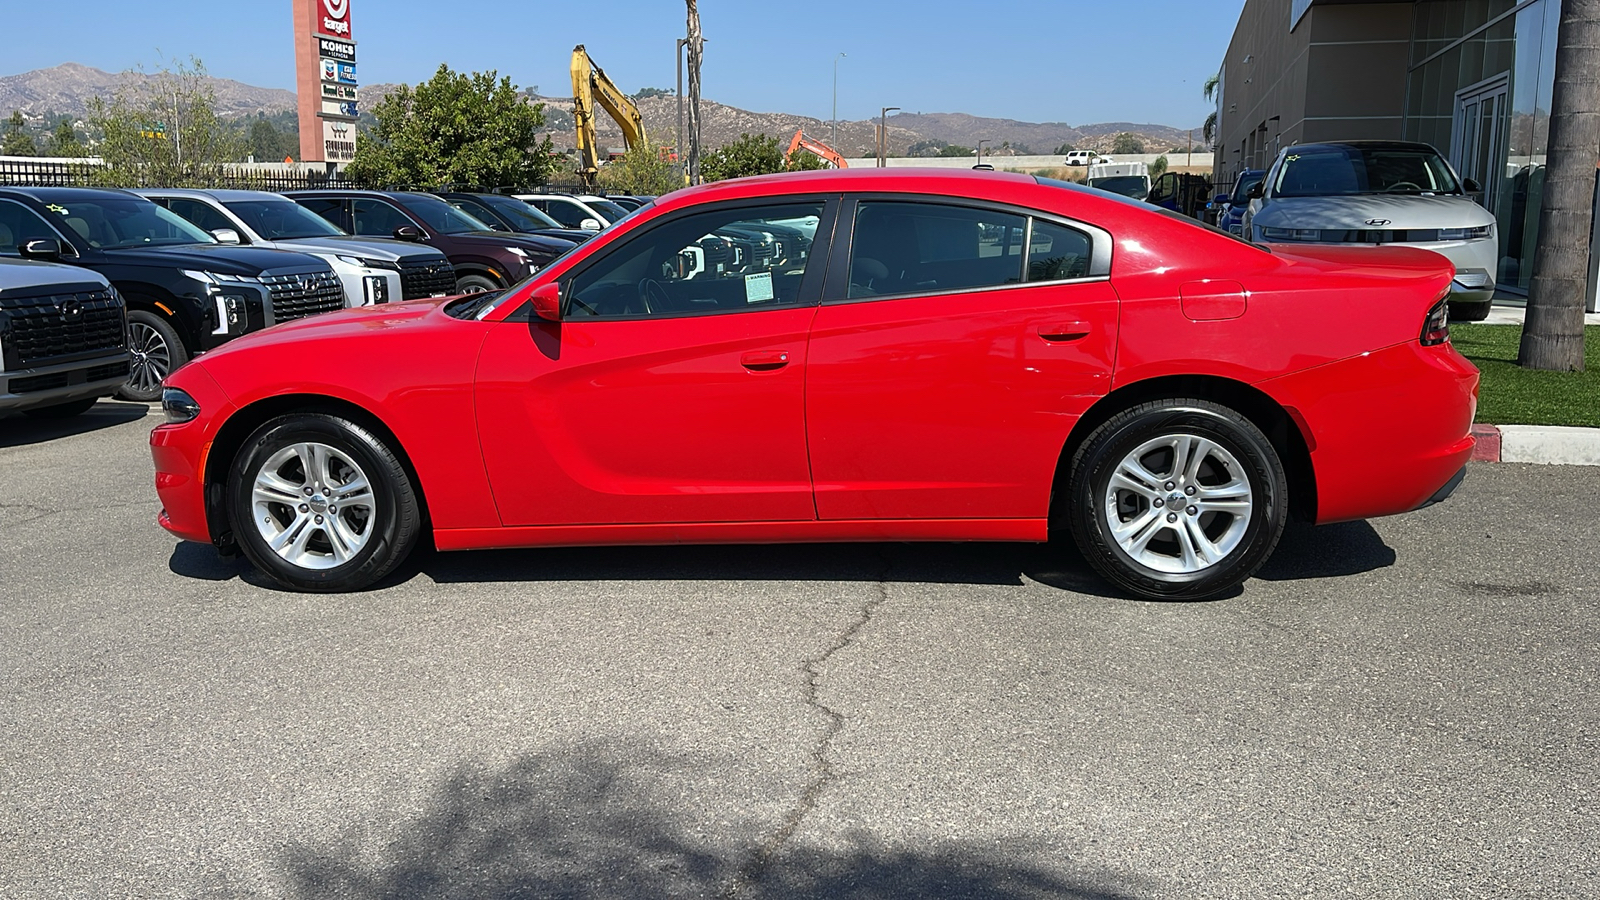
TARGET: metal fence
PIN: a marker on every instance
(89, 173)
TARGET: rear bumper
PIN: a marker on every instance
(1388, 431)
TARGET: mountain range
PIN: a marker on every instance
(67, 89)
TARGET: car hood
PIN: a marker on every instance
(360, 320)
(227, 259)
(543, 245)
(1355, 212)
(371, 248)
(19, 274)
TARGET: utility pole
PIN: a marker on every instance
(883, 135)
(696, 48)
(1189, 154)
(980, 148)
(1552, 336)
(833, 124)
(677, 147)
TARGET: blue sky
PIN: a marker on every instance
(1081, 62)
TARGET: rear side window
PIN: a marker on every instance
(570, 215)
(199, 213)
(1056, 252)
(375, 217)
(333, 209)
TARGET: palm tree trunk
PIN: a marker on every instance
(696, 47)
(1552, 337)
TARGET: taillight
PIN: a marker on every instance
(1436, 327)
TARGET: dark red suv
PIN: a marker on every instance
(484, 259)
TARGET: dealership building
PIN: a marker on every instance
(1471, 77)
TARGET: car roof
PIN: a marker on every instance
(907, 179)
(1366, 145)
(69, 194)
(226, 195)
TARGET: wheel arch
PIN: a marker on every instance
(174, 310)
(239, 426)
(482, 268)
(1282, 427)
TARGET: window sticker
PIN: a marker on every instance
(758, 287)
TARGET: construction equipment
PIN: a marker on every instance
(590, 86)
(803, 141)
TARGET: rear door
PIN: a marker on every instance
(956, 345)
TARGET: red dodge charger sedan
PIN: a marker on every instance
(843, 356)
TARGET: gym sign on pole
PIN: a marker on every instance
(325, 62)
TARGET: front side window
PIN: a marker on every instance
(375, 217)
(201, 214)
(441, 216)
(282, 220)
(19, 225)
(569, 214)
(904, 247)
(1342, 170)
(335, 210)
(732, 259)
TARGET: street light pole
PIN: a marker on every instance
(833, 125)
(883, 135)
(980, 148)
(678, 62)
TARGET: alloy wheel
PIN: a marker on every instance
(313, 506)
(1179, 504)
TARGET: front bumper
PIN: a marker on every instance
(38, 387)
(1387, 430)
(180, 453)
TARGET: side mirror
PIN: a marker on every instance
(1220, 199)
(590, 224)
(1257, 190)
(44, 249)
(1471, 186)
(546, 299)
(225, 235)
(408, 233)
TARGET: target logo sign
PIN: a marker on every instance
(336, 17)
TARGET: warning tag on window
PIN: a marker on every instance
(758, 287)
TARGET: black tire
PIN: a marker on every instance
(1091, 499)
(156, 352)
(475, 284)
(390, 531)
(1470, 312)
(62, 410)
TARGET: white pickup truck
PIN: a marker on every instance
(1130, 179)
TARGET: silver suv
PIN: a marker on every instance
(1378, 193)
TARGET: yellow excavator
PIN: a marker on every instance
(590, 86)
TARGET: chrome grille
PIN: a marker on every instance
(298, 296)
(54, 327)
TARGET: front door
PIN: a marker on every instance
(1477, 146)
(672, 392)
(945, 375)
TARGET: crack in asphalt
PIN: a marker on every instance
(823, 773)
(32, 512)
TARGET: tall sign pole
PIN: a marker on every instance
(325, 77)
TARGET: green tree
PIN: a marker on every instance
(1208, 131)
(751, 154)
(1158, 167)
(64, 140)
(1063, 150)
(642, 170)
(163, 131)
(956, 150)
(268, 144)
(805, 161)
(18, 142)
(930, 147)
(1126, 143)
(454, 129)
(647, 93)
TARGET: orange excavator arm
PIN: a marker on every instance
(803, 141)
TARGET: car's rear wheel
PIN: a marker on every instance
(1177, 499)
(319, 503)
(156, 352)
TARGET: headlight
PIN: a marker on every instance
(219, 277)
(353, 260)
(178, 405)
(1290, 234)
(366, 263)
(527, 263)
(1464, 234)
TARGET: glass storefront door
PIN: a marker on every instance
(1477, 147)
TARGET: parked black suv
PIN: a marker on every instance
(63, 336)
(485, 259)
(185, 292)
(506, 213)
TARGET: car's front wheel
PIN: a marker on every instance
(320, 503)
(475, 284)
(1177, 499)
(156, 351)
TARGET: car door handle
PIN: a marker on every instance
(1064, 331)
(764, 360)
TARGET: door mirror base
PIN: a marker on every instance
(546, 300)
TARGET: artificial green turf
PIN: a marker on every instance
(1512, 395)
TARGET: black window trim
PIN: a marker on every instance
(837, 289)
(68, 247)
(810, 285)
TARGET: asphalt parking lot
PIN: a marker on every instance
(1400, 708)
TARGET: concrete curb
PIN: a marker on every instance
(1555, 445)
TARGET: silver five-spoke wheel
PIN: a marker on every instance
(313, 505)
(1179, 503)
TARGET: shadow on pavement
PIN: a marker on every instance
(20, 430)
(583, 826)
(1327, 551)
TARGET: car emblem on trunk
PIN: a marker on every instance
(1377, 222)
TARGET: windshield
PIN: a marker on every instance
(608, 209)
(1135, 186)
(117, 223)
(441, 216)
(520, 214)
(1342, 170)
(1241, 191)
(282, 220)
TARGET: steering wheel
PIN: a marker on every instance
(653, 296)
(1402, 184)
